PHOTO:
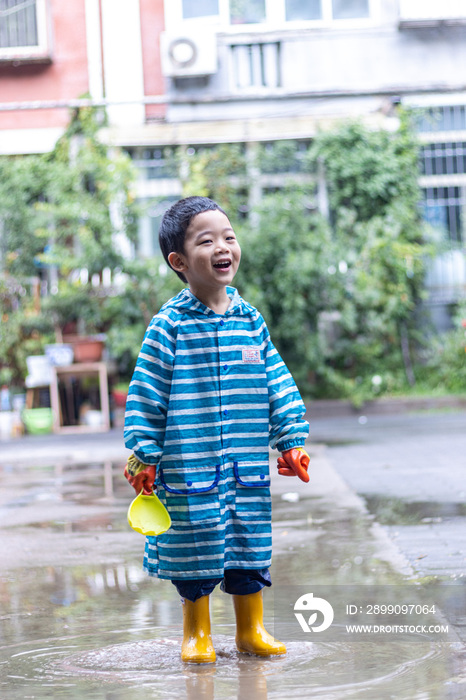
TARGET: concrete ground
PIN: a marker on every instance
(384, 506)
(410, 469)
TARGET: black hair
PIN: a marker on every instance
(175, 222)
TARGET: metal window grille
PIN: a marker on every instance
(157, 163)
(257, 65)
(443, 158)
(443, 207)
(446, 118)
(18, 23)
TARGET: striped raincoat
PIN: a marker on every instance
(208, 396)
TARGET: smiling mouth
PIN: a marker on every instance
(223, 265)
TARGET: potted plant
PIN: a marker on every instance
(120, 394)
(76, 312)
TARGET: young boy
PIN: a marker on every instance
(208, 396)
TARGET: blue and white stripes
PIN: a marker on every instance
(208, 395)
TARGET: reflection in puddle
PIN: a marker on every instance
(396, 511)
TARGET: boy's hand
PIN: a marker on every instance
(143, 481)
(294, 462)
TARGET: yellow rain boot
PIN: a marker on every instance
(197, 647)
(251, 637)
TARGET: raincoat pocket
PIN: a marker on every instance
(252, 490)
(190, 496)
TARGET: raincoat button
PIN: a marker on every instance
(225, 366)
(225, 412)
(222, 322)
(189, 483)
(262, 476)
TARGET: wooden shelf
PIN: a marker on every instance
(80, 370)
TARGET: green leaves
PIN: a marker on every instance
(367, 170)
(60, 213)
(341, 295)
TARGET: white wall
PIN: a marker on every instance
(94, 49)
(122, 52)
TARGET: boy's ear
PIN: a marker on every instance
(177, 262)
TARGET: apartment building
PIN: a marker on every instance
(186, 74)
(54, 53)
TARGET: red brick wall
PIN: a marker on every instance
(65, 78)
(152, 23)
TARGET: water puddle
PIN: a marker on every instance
(305, 671)
(112, 633)
(79, 618)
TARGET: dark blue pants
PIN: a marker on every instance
(234, 581)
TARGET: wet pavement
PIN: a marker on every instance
(410, 471)
(384, 510)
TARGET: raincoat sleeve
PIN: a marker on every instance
(149, 391)
(287, 426)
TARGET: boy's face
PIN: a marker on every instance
(211, 253)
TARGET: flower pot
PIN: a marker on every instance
(86, 349)
(119, 397)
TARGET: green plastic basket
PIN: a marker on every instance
(38, 421)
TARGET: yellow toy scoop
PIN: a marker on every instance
(147, 515)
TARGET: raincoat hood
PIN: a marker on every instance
(186, 301)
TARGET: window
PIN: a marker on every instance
(445, 118)
(443, 158)
(296, 10)
(247, 11)
(350, 9)
(23, 29)
(443, 170)
(302, 9)
(18, 23)
(156, 163)
(199, 8)
(276, 13)
(443, 208)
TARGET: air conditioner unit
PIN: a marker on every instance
(188, 55)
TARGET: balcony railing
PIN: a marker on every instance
(255, 66)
